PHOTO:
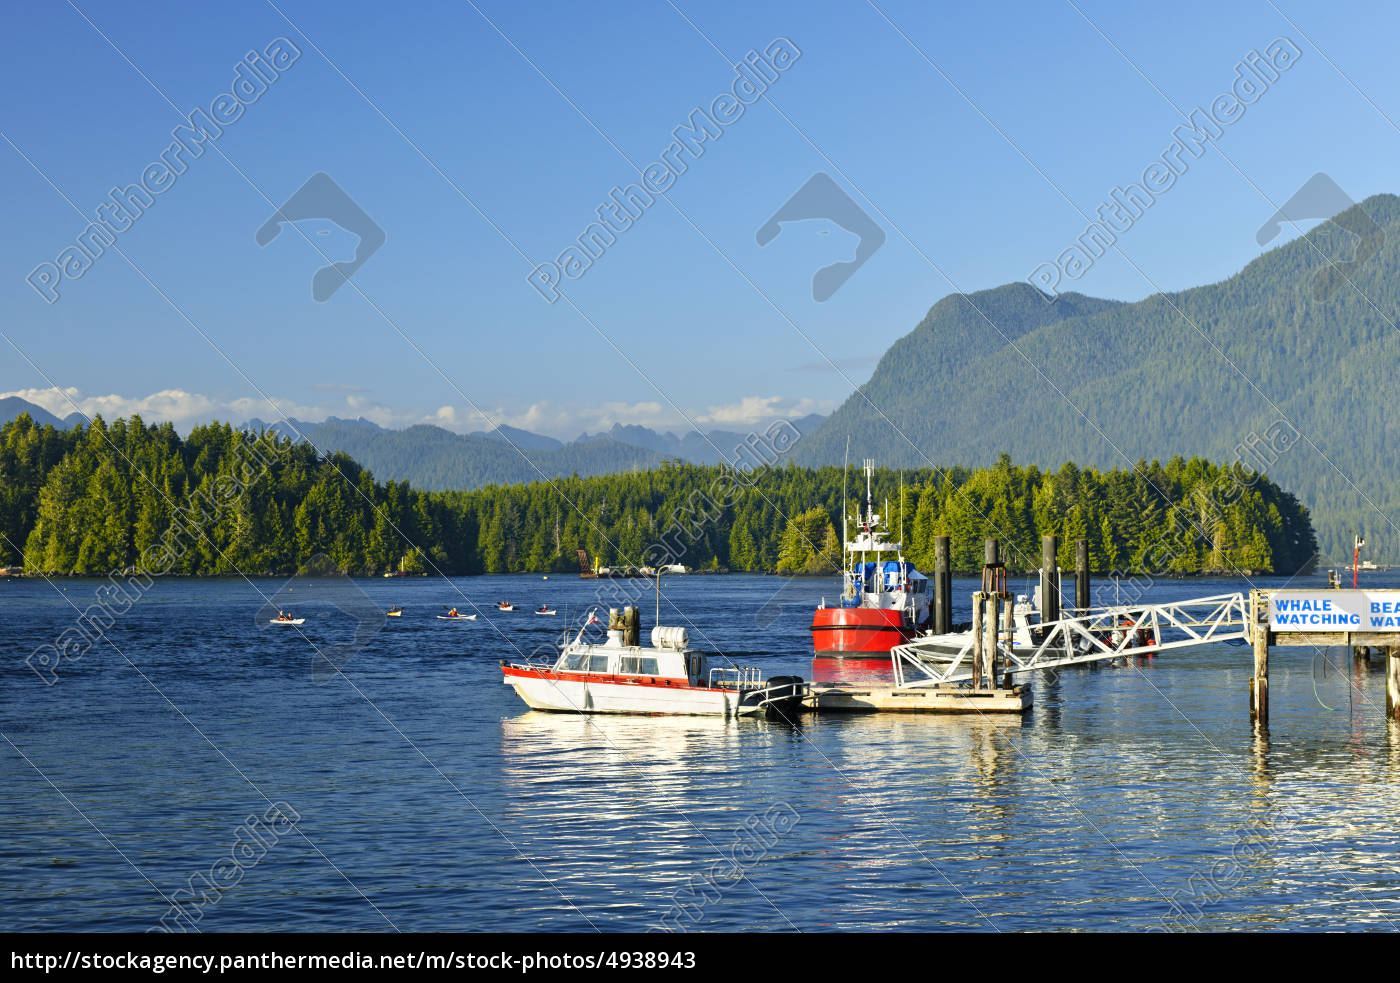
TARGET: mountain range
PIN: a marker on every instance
(433, 459)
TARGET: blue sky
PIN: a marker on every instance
(483, 138)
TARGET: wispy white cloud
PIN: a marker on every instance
(186, 409)
(753, 410)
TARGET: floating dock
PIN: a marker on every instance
(842, 698)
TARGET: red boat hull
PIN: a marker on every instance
(858, 633)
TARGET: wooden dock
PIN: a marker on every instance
(840, 698)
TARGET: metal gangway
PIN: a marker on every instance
(1096, 635)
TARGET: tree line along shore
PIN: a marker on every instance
(221, 501)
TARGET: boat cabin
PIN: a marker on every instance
(668, 657)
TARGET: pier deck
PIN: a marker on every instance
(840, 698)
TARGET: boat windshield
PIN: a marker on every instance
(639, 665)
(574, 660)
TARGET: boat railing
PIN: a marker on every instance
(737, 677)
(535, 663)
(777, 694)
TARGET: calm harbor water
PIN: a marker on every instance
(430, 799)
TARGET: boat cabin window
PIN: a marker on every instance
(597, 663)
(574, 660)
(639, 665)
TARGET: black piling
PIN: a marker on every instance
(942, 585)
(1081, 575)
(1050, 578)
(993, 572)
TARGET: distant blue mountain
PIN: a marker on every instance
(435, 459)
(298, 430)
(698, 448)
(523, 439)
(13, 406)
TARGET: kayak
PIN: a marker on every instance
(505, 607)
(459, 617)
(393, 614)
(547, 611)
(287, 621)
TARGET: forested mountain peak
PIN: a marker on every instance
(1285, 366)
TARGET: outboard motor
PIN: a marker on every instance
(785, 696)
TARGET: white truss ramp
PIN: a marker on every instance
(1099, 635)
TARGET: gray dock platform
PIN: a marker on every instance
(845, 698)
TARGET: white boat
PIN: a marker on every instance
(505, 606)
(618, 675)
(545, 611)
(287, 621)
(456, 617)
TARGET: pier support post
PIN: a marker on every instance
(1259, 682)
(942, 585)
(1009, 633)
(992, 621)
(1050, 578)
(979, 600)
(1081, 575)
(1392, 683)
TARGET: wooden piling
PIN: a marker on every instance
(1081, 575)
(1392, 683)
(1050, 578)
(992, 621)
(993, 571)
(978, 602)
(942, 585)
(1009, 634)
(1259, 682)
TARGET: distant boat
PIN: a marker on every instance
(545, 609)
(505, 606)
(456, 617)
(394, 613)
(287, 621)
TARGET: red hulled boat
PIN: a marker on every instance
(884, 602)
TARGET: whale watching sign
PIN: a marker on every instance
(1334, 610)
